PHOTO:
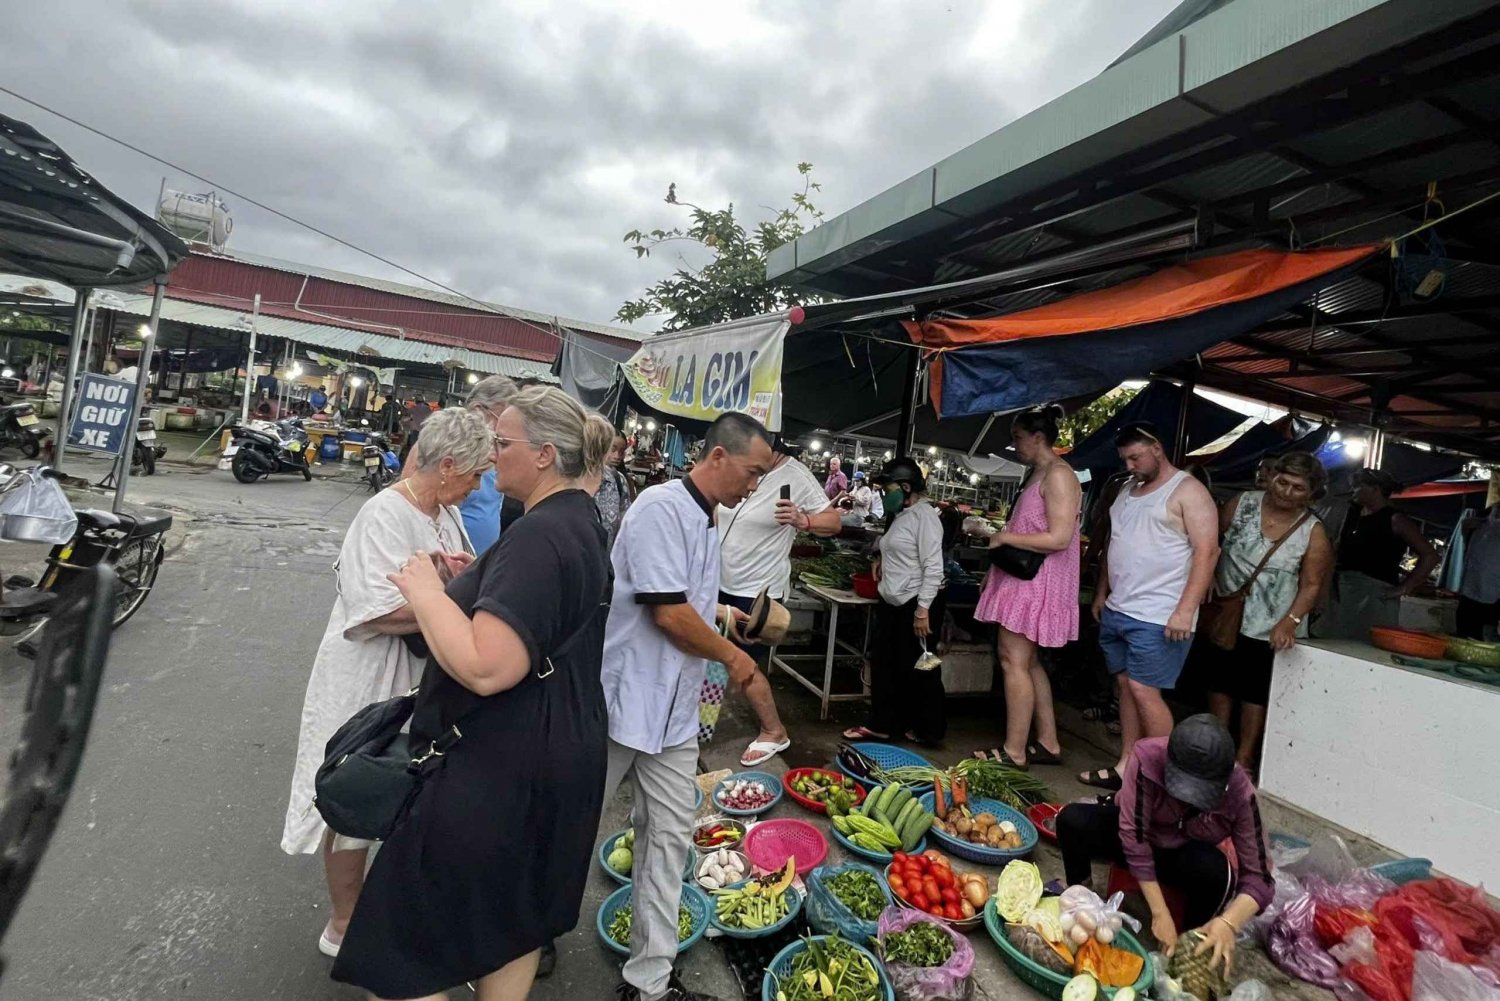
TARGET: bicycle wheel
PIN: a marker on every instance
(135, 575)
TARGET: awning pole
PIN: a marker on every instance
(1179, 439)
(906, 426)
(142, 376)
(75, 349)
(250, 360)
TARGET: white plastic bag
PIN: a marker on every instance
(1436, 979)
(1080, 907)
(36, 510)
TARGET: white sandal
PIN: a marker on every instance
(767, 749)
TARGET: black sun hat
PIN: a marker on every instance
(1200, 761)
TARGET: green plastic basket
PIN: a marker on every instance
(1044, 980)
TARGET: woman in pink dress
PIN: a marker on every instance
(1042, 611)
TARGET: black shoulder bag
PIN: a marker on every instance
(371, 770)
(1022, 564)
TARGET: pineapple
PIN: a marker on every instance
(1194, 972)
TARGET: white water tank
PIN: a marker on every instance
(201, 218)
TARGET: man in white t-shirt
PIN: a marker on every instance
(755, 554)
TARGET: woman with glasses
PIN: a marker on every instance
(1041, 611)
(363, 657)
(489, 862)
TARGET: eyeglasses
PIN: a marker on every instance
(503, 442)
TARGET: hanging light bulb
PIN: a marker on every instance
(888, 455)
(815, 445)
(932, 450)
(473, 378)
(651, 425)
(974, 479)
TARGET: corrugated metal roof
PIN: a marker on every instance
(430, 294)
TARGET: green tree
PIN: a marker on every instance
(1086, 420)
(733, 283)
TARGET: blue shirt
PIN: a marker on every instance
(481, 513)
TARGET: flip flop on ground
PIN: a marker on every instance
(864, 733)
(1101, 778)
(1002, 756)
(761, 751)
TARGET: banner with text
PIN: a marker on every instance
(102, 414)
(701, 374)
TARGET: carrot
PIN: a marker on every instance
(960, 792)
(939, 803)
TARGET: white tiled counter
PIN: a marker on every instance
(1408, 757)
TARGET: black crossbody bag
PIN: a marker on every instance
(1022, 564)
(371, 770)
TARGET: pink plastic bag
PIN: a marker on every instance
(953, 981)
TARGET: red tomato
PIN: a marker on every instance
(913, 872)
(950, 895)
(899, 857)
(898, 885)
(953, 912)
(930, 887)
(944, 877)
(936, 910)
(917, 899)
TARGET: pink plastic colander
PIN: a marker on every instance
(770, 843)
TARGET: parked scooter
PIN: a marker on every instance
(21, 428)
(258, 449)
(147, 451)
(381, 464)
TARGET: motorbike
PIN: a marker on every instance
(381, 464)
(19, 428)
(132, 544)
(147, 451)
(258, 449)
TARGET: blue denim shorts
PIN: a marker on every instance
(1141, 650)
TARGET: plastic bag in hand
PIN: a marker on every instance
(953, 981)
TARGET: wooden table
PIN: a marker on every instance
(835, 600)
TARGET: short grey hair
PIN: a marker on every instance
(457, 434)
(492, 391)
(552, 417)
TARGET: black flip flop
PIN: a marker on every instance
(1110, 779)
(1036, 754)
(1001, 756)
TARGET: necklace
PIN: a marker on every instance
(417, 501)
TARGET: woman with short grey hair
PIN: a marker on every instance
(362, 658)
(516, 643)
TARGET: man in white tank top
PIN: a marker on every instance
(1163, 547)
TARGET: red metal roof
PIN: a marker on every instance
(220, 281)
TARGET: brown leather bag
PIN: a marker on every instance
(1220, 617)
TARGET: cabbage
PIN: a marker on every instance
(1019, 891)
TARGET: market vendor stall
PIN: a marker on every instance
(1401, 754)
(835, 599)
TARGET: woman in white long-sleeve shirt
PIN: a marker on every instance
(904, 700)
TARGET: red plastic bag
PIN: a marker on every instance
(1454, 919)
(1333, 924)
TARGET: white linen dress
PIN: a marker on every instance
(355, 665)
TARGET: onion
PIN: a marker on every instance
(1067, 922)
(1105, 935)
(1085, 920)
(1078, 936)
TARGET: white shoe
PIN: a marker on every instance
(328, 946)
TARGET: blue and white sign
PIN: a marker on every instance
(102, 415)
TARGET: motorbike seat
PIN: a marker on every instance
(154, 523)
(95, 519)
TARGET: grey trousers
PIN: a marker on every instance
(663, 819)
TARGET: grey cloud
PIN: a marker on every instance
(505, 150)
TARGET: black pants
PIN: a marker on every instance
(1473, 616)
(901, 697)
(1086, 832)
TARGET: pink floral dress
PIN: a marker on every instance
(1045, 608)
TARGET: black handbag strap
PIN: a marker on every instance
(1243, 590)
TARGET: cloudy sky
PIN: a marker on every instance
(504, 147)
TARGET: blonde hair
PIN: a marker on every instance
(492, 391)
(459, 434)
(552, 417)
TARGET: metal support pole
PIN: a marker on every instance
(142, 377)
(75, 348)
(1179, 439)
(90, 320)
(187, 354)
(250, 360)
(906, 426)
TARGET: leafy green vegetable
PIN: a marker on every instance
(830, 970)
(922, 944)
(619, 925)
(860, 892)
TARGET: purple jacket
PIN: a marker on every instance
(1149, 819)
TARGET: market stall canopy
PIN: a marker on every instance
(58, 222)
(1238, 462)
(1094, 340)
(588, 368)
(1160, 404)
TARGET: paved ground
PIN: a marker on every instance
(165, 879)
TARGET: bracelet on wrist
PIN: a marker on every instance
(1228, 923)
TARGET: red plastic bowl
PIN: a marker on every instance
(771, 842)
(793, 774)
(1044, 816)
(865, 586)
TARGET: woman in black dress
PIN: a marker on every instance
(490, 861)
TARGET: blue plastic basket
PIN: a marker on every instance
(886, 756)
(780, 968)
(694, 899)
(608, 845)
(984, 855)
(697, 798)
(884, 858)
(766, 779)
(827, 914)
(793, 908)
(1404, 870)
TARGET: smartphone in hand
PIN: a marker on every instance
(786, 491)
